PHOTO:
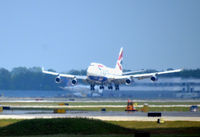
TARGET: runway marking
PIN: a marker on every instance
(104, 118)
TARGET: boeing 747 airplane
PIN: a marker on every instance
(98, 74)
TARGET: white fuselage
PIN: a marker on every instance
(99, 73)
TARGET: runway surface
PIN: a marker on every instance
(110, 116)
(58, 100)
(30, 110)
(91, 106)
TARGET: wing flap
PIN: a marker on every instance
(131, 72)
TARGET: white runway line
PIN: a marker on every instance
(104, 118)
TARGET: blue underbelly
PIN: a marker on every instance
(98, 78)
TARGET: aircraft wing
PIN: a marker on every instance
(64, 75)
(143, 76)
(148, 75)
(131, 72)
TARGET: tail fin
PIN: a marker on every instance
(119, 61)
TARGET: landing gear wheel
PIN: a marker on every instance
(92, 87)
(110, 87)
(101, 87)
(116, 87)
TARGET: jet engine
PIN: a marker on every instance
(58, 79)
(128, 81)
(74, 81)
(154, 78)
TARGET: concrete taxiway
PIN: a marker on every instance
(91, 106)
(108, 116)
(31, 111)
(92, 100)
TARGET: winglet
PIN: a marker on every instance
(49, 72)
(42, 69)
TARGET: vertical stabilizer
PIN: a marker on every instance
(119, 61)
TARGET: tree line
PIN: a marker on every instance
(22, 78)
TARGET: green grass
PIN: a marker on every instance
(152, 135)
(127, 124)
(172, 127)
(6, 122)
(175, 135)
(72, 127)
(180, 109)
(98, 103)
(103, 103)
(68, 135)
(62, 126)
(150, 125)
(123, 109)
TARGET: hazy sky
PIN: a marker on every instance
(69, 34)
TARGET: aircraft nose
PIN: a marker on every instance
(89, 70)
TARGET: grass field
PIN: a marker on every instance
(180, 109)
(68, 135)
(6, 122)
(71, 127)
(139, 109)
(61, 126)
(131, 135)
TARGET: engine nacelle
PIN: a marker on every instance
(74, 81)
(128, 81)
(58, 79)
(154, 78)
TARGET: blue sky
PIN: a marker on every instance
(69, 34)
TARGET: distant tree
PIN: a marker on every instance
(32, 79)
(51, 70)
(5, 79)
(77, 72)
(22, 78)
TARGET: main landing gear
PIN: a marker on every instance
(101, 87)
(110, 87)
(116, 87)
(92, 87)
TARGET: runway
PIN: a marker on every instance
(91, 106)
(36, 108)
(107, 116)
(89, 100)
